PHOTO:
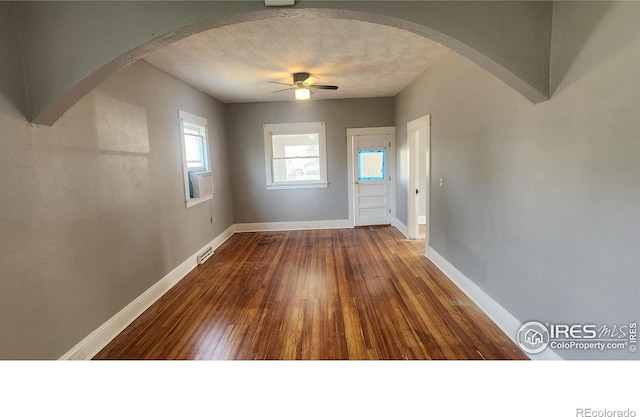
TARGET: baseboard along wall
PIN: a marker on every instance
(100, 337)
(496, 312)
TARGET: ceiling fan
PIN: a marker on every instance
(303, 83)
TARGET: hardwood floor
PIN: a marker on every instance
(319, 294)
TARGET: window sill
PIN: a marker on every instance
(195, 201)
(292, 186)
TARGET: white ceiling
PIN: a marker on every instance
(234, 63)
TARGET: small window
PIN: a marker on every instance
(194, 145)
(198, 183)
(295, 155)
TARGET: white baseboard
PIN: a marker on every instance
(100, 337)
(400, 226)
(498, 314)
(303, 225)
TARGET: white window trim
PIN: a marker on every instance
(293, 128)
(184, 116)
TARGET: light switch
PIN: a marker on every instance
(441, 182)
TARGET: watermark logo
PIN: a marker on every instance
(590, 412)
(534, 337)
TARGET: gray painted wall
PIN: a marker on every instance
(251, 200)
(92, 210)
(541, 203)
(11, 74)
(70, 46)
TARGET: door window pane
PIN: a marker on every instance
(371, 165)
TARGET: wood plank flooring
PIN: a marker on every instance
(318, 294)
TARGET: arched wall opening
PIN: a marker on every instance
(46, 107)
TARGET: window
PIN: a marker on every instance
(198, 185)
(295, 155)
(194, 145)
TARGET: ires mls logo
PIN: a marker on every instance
(534, 337)
(577, 331)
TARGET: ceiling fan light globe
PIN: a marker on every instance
(302, 94)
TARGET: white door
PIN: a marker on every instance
(371, 166)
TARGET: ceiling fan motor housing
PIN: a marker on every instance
(300, 77)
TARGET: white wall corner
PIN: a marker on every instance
(100, 337)
(498, 314)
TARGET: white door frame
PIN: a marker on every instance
(391, 164)
(414, 128)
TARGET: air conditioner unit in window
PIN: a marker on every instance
(202, 183)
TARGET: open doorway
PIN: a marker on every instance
(419, 140)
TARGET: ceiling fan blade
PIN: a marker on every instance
(276, 82)
(324, 87)
(284, 89)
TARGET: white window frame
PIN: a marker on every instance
(186, 117)
(292, 129)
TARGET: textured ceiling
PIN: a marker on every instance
(234, 63)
